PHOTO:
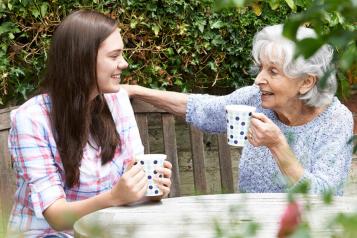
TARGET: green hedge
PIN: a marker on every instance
(175, 44)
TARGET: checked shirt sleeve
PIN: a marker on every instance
(34, 161)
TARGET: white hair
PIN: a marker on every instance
(271, 44)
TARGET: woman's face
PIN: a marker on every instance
(110, 63)
(278, 92)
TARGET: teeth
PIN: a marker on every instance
(116, 76)
(266, 93)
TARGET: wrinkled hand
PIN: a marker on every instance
(131, 186)
(263, 132)
(163, 182)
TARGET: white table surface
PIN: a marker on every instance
(195, 216)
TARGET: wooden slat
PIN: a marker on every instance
(198, 160)
(142, 122)
(5, 119)
(143, 107)
(225, 164)
(7, 183)
(169, 134)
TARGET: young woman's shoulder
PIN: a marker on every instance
(119, 102)
(36, 109)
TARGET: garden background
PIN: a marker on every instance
(190, 46)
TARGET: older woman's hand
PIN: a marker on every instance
(263, 132)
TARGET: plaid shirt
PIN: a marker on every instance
(40, 173)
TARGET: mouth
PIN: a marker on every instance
(266, 93)
(116, 76)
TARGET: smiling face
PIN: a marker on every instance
(278, 92)
(110, 63)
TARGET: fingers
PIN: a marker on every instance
(260, 116)
(164, 184)
(167, 164)
(166, 172)
(129, 165)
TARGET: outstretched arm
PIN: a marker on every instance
(172, 102)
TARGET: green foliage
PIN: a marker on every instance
(335, 24)
(180, 45)
(235, 228)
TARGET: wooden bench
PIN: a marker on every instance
(142, 112)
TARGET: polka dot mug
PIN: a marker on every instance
(238, 120)
(150, 162)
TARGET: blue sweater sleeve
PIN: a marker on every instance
(207, 112)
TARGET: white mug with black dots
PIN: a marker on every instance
(238, 121)
(150, 162)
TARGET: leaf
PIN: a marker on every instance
(308, 46)
(217, 24)
(170, 51)
(348, 57)
(290, 28)
(44, 8)
(274, 4)
(35, 12)
(178, 82)
(327, 196)
(156, 29)
(257, 9)
(201, 25)
(133, 23)
(6, 27)
(291, 4)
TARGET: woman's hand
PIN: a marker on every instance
(164, 182)
(128, 88)
(131, 187)
(263, 132)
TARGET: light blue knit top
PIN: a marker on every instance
(320, 145)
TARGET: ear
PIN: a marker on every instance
(307, 84)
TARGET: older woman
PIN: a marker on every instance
(300, 131)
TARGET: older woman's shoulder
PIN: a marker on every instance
(337, 108)
(336, 111)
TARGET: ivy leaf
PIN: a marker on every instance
(178, 82)
(156, 29)
(170, 51)
(35, 12)
(44, 8)
(133, 23)
(217, 24)
(6, 27)
(201, 25)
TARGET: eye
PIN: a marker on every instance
(114, 56)
(273, 71)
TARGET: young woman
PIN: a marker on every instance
(72, 146)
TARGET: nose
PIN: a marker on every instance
(260, 79)
(122, 63)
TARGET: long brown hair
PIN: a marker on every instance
(70, 78)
